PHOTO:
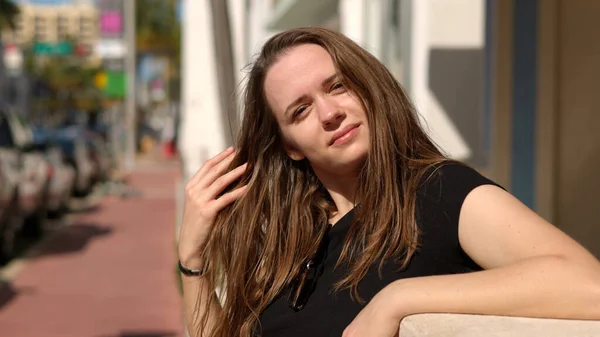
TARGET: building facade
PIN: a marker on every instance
(54, 24)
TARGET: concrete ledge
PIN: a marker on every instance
(453, 325)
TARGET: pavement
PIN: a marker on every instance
(108, 272)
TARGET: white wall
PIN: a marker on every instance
(201, 128)
(361, 20)
(456, 23)
(259, 14)
(442, 23)
(238, 22)
(352, 20)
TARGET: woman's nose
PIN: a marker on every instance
(330, 113)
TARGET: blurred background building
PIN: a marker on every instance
(48, 26)
(507, 86)
(47, 23)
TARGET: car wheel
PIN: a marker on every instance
(34, 223)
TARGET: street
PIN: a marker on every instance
(110, 272)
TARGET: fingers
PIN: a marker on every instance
(211, 180)
(216, 171)
(209, 164)
(229, 197)
(225, 180)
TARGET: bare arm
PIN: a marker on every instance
(195, 289)
(202, 204)
(532, 270)
(547, 287)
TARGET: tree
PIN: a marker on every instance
(157, 27)
(8, 14)
(158, 31)
(58, 76)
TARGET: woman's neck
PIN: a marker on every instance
(342, 190)
(341, 211)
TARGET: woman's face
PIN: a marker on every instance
(319, 118)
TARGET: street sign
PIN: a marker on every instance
(111, 23)
(115, 84)
(113, 64)
(110, 48)
(57, 49)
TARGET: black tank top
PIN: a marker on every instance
(328, 314)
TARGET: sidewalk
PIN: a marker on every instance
(111, 273)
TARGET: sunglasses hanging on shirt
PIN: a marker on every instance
(305, 282)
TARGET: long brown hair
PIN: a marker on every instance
(258, 243)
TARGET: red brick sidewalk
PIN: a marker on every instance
(109, 274)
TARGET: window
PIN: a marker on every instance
(84, 23)
(63, 22)
(39, 28)
(62, 29)
(39, 22)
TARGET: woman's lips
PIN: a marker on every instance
(345, 135)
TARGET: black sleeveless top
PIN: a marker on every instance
(438, 208)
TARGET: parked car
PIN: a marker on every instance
(100, 155)
(62, 175)
(10, 215)
(33, 170)
(76, 154)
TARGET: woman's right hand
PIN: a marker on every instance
(201, 204)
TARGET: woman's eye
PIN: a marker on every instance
(299, 111)
(339, 86)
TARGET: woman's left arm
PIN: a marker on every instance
(532, 269)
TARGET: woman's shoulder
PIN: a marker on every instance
(452, 181)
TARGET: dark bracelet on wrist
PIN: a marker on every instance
(190, 272)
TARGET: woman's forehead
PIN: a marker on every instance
(296, 72)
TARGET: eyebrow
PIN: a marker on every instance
(324, 84)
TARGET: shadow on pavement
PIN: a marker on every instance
(145, 334)
(8, 293)
(73, 238)
(90, 209)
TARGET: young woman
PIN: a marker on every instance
(337, 215)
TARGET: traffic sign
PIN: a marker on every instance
(46, 48)
(115, 84)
